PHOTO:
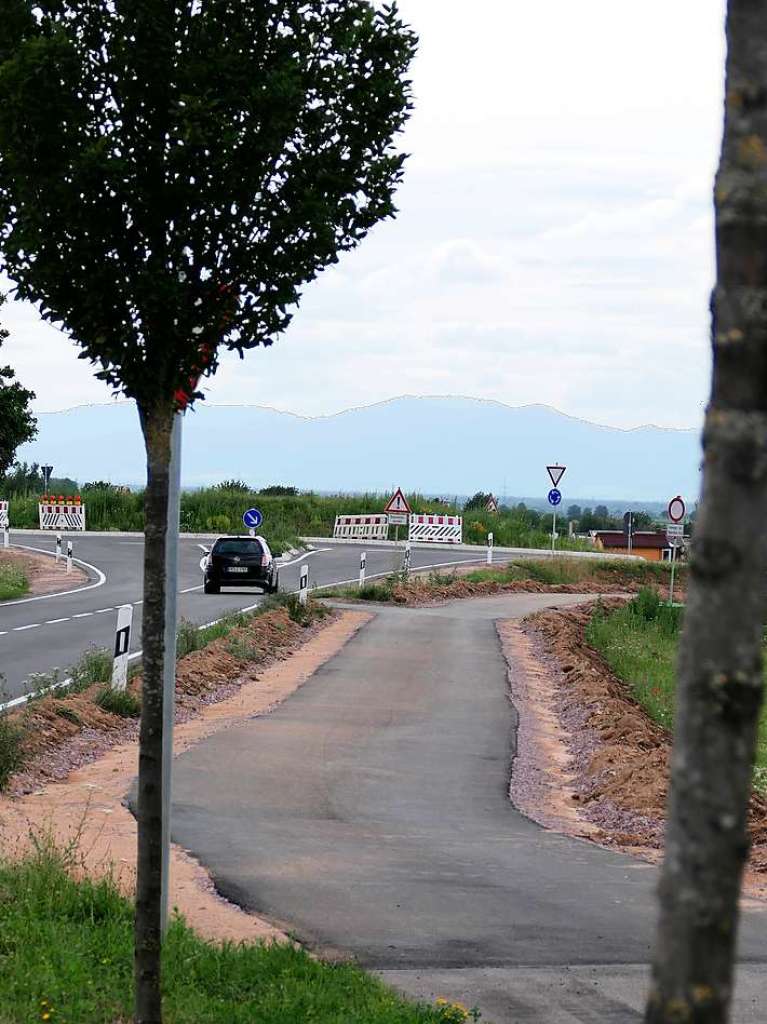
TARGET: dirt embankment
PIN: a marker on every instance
(421, 590)
(75, 786)
(44, 574)
(591, 762)
(67, 731)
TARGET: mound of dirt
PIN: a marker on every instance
(613, 759)
(420, 590)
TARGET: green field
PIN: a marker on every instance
(286, 518)
(66, 957)
(639, 642)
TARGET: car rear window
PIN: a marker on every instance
(237, 546)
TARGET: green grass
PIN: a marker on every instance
(118, 702)
(639, 642)
(66, 950)
(13, 582)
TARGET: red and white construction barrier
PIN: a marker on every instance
(366, 527)
(4, 520)
(435, 529)
(60, 513)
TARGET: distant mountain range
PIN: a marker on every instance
(438, 446)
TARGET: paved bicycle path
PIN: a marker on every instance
(370, 813)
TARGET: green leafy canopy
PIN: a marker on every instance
(172, 173)
(17, 424)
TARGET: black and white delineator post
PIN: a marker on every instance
(122, 647)
(58, 548)
(406, 558)
(489, 549)
(303, 584)
(69, 556)
(363, 567)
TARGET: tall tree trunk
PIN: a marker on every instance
(156, 424)
(720, 664)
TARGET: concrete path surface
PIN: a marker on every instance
(370, 814)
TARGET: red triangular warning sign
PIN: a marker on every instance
(492, 504)
(397, 502)
(556, 473)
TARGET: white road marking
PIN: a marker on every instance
(82, 615)
(32, 625)
(62, 593)
(102, 611)
(52, 622)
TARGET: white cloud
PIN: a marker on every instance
(554, 240)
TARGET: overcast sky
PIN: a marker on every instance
(554, 239)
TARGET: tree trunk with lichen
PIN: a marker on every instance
(720, 663)
(156, 425)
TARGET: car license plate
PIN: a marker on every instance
(237, 568)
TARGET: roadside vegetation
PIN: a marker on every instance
(639, 642)
(288, 514)
(81, 703)
(13, 581)
(66, 957)
(590, 573)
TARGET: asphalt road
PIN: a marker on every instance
(41, 634)
(370, 813)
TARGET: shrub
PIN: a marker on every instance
(13, 582)
(119, 702)
(68, 714)
(95, 666)
(11, 752)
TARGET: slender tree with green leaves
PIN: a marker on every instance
(171, 175)
(17, 424)
(720, 665)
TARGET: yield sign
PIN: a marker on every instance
(397, 502)
(556, 473)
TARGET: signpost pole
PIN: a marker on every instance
(553, 531)
(631, 530)
(673, 566)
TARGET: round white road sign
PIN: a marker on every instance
(676, 509)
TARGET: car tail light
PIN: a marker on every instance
(264, 560)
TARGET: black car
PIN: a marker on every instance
(240, 562)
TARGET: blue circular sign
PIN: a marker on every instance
(252, 518)
(555, 496)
